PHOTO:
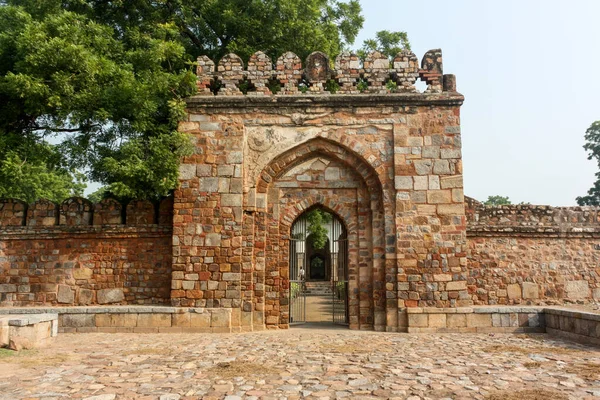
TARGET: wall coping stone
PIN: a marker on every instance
(111, 310)
(332, 100)
(30, 319)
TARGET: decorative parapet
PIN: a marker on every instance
(376, 74)
(80, 212)
(531, 220)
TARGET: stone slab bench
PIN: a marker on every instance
(27, 331)
(141, 319)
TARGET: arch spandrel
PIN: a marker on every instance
(266, 144)
(325, 148)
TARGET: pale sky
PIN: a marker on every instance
(529, 73)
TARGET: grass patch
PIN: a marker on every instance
(527, 395)
(228, 370)
(587, 371)
(503, 348)
(31, 358)
(532, 364)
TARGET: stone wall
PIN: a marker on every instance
(79, 253)
(526, 254)
(381, 156)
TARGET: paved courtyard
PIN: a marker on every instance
(308, 362)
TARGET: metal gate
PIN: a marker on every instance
(339, 276)
(297, 285)
(336, 271)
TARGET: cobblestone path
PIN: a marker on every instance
(302, 363)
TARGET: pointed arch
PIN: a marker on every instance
(320, 146)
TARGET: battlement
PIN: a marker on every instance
(77, 211)
(376, 74)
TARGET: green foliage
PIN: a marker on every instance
(316, 227)
(391, 85)
(111, 97)
(387, 42)
(32, 180)
(332, 86)
(497, 201)
(218, 27)
(592, 146)
(362, 85)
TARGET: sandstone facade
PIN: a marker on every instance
(384, 158)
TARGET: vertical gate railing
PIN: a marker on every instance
(339, 269)
(298, 272)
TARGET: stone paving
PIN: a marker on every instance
(306, 362)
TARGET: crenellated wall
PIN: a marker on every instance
(529, 254)
(79, 253)
(375, 75)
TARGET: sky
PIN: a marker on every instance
(529, 72)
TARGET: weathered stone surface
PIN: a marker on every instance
(577, 289)
(107, 296)
(65, 294)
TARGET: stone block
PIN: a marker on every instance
(65, 294)
(209, 184)
(457, 285)
(456, 320)
(231, 200)
(479, 320)
(451, 209)
(200, 320)
(85, 296)
(107, 296)
(182, 319)
(82, 273)
(128, 320)
(154, 320)
(451, 182)
(418, 320)
(442, 277)
(439, 196)
(530, 290)
(187, 171)
(8, 288)
(77, 320)
(577, 289)
(213, 240)
(403, 182)
(437, 320)
(420, 182)
(204, 170)
(220, 318)
(514, 291)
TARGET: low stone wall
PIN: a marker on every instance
(79, 253)
(140, 319)
(580, 326)
(475, 320)
(27, 331)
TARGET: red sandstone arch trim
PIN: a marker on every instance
(328, 148)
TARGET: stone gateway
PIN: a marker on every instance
(272, 144)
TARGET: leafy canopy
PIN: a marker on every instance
(97, 87)
(497, 201)
(592, 146)
(316, 227)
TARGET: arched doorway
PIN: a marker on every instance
(318, 268)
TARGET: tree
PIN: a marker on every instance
(592, 146)
(100, 85)
(497, 201)
(112, 105)
(316, 227)
(386, 42)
